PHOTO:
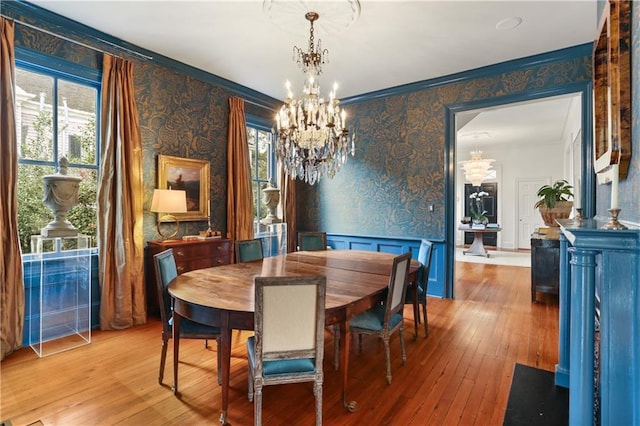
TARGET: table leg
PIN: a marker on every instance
(225, 361)
(345, 339)
(416, 310)
(176, 349)
(477, 246)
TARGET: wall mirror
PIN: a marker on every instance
(612, 89)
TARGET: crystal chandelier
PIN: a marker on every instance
(312, 135)
(476, 169)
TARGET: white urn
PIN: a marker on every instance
(271, 198)
(60, 195)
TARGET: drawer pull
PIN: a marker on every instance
(180, 253)
(181, 269)
(219, 262)
(219, 248)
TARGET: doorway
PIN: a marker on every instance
(528, 219)
(462, 118)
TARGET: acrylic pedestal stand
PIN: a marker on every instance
(60, 304)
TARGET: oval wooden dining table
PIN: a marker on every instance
(223, 296)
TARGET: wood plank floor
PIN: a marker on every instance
(459, 375)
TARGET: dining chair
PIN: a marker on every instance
(384, 319)
(288, 343)
(309, 241)
(248, 250)
(166, 271)
(417, 290)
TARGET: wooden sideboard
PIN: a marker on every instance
(189, 255)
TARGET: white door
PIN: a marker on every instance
(528, 217)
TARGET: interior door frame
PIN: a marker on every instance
(587, 192)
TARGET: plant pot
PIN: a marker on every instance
(561, 210)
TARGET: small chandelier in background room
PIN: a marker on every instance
(476, 169)
(312, 135)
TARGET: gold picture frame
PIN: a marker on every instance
(193, 177)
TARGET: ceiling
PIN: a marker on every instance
(386, 44)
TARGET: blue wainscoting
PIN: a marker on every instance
(397, 246)
(55, 288)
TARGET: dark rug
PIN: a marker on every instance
(534, 399)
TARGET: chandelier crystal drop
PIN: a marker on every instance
(476, 169)
(312, 135)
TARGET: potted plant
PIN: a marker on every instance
(554, 202)
(477, 208)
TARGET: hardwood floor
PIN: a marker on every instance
(459, 375)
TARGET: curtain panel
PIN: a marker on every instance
(11, 279)
(120, 193)
(239, 192)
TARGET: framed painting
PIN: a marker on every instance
(191, 176)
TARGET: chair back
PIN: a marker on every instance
(166, 271)
(248, 250)
(289, 318)
(424, 257)
(397, 286)
(310, 241)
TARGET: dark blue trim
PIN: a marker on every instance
(568, 53)
(43, 63)
(259, 122)
(102, 41)
(588, 191)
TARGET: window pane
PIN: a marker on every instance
(32, 213)
(77, 122)
(34, 94)
(263, 155)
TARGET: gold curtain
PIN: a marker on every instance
(288, 205)
(120, 236)
(239, 193)
(12, 290)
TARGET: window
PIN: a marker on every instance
(262, 158)
(56, 116)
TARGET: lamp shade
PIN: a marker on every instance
(169, 201)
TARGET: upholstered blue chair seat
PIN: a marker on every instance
(284, 366)
(191, 327)
(249, 250)
(373, 319)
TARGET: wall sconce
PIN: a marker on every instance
(168, 201)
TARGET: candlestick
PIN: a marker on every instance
(613, 220)
(614, 186)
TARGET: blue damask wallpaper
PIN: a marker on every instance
(398, 170)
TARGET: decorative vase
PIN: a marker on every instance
(60, 195)
(271, 197)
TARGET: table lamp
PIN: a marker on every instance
(168, 201)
